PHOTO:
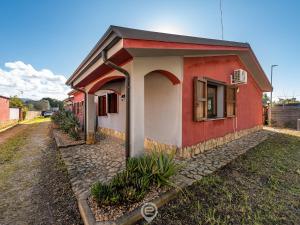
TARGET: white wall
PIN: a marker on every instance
(162, 114)
(114, 121)
(141, 67)
(14, 113)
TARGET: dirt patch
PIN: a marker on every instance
(34, 187)
(260, 187)
(63, 140)
(54, 190)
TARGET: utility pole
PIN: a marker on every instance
(271, 103)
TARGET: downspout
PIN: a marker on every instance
(127, 94)
(85, 107)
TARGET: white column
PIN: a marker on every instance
(136, 114)
(91, 119)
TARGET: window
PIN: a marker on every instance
(77, 108)
(210, 101)
(102, 106)
(112, 101)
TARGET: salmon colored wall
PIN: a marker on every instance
(4, 109)
(249, 103)
(79, 97)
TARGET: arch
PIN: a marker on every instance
(173, 78)
(111, 89)
(103, 81)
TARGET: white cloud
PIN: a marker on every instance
(25, 81)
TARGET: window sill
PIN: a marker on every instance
(217, 118)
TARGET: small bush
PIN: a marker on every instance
(132, 184)
(67, 122)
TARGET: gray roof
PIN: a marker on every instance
(130, 33)
(115, 33)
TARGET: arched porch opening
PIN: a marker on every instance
(162, 108)
(111, 106)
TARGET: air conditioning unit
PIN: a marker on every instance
(239, 77)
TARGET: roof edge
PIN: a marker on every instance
(131, 33)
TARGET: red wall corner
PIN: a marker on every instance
(249, 99)
(4, 109)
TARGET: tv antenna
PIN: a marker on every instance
(221, 12)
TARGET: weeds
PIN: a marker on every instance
(261, 187)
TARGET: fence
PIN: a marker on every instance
(285, 116)
(32, 114)
(14, 113)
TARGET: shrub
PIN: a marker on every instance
(132, 184)
(67, 122)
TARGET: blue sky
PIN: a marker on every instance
(56, 35)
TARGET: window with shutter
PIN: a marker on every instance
(230, 101)
(102, 106)
(212, 100)
(112, 99)
(200, 99)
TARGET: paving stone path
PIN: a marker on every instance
(203, 164)
(100, 162)
(87, 164)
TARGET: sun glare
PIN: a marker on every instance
(166, 28)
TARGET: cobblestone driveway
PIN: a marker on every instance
(90, 163)
(100, 162)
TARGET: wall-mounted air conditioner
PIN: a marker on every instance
(239, 77)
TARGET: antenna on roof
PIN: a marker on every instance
(221, 12)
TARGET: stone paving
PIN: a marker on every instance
(100, 162)
(87, 164)
(208, 162)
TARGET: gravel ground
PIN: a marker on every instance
(34, 185)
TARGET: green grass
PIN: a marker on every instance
(260, 187)
(9, 150)
(39, 119)
(10, 147)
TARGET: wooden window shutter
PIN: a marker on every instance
(230, 101)
(102, 105)
(112, 103)
(200, 99)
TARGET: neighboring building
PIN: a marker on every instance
(75, 103)
(4, 109)
(181, 92)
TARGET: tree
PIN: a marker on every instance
(41, 105)
(286, 101)
(15, 102)
(55, 103)
(265, 99)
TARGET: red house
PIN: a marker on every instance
(178, 92)
(75, 103)
(4, 109)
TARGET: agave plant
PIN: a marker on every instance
(134, 182)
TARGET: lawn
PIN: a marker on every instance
(8, 150)
(260, 187)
